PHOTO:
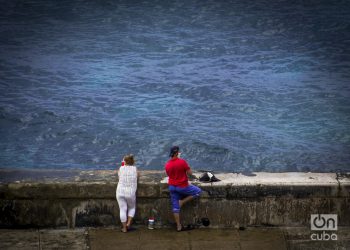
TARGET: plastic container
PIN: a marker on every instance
(151, 223)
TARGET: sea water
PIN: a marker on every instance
(238, 85)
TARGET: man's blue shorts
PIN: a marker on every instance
(178, 193)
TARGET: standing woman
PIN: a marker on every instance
(126, 191)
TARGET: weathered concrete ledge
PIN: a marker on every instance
(75, 198)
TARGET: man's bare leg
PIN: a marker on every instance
(185, 200)
(177, 220)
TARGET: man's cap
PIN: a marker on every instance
(174, 150)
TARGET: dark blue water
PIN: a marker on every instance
(238, 85)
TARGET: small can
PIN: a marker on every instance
(123, 163)
(151, 223)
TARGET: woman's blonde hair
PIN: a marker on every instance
(129, 159)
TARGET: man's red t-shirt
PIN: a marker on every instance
(176, 170)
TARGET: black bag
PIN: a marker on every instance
(208, 177)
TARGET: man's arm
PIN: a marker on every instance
(189, 172)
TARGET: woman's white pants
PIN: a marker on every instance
(126, 207)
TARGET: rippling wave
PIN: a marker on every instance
(240, 86)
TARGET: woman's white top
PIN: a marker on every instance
(127, 184)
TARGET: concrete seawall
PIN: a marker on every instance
(74, 198)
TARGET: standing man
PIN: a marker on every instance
(181, 191)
